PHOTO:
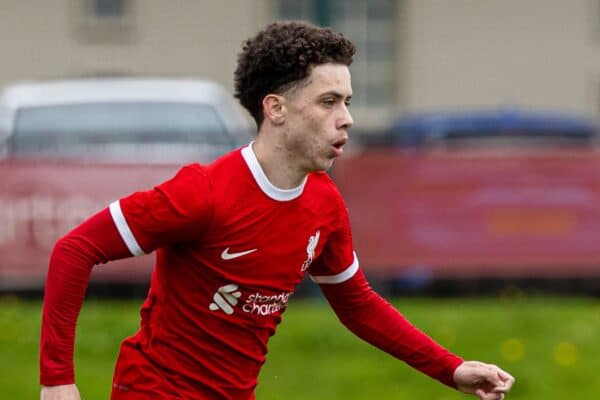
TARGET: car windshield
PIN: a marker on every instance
(126, 132)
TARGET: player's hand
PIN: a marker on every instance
(486, 381)
(60, 392)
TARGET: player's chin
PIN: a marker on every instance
(322, 165)
(334, 152)
(323, 161)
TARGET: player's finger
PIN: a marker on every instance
(483, 395)
(508, 379)
(503, 374)
(505, 382)
(501, 389)
(480, 393)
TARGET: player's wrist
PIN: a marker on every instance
(50, 380)
(60, 392)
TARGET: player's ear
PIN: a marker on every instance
(274, 108)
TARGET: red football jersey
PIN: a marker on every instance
(231, 249)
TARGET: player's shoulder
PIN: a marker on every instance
(321, 183)
(193, 170)
(188, 178)
(321, 179)
(227, 162)
(204, 171)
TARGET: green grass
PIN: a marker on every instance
(550, 344)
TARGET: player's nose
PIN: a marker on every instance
(345, 120)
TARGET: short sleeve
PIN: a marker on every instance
(179, 209)
(337, 262)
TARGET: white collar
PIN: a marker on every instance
(263, 182)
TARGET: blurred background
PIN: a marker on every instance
(472, 178)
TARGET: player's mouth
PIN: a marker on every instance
(338, 147)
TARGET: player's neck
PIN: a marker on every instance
(277, 165)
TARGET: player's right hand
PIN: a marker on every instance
(60, 392)
(486, 381)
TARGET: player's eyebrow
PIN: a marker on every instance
(337, 95)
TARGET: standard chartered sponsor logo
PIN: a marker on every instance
(265, 305)
(227, 297)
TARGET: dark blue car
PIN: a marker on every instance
(497, 124)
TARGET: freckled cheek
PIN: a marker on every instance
(319, 126)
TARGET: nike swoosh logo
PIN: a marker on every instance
(226, 255)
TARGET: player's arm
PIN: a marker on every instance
(365, 313)
(376, 321)
(93, 242)
(134, 225)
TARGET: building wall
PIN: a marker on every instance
(459, 53)
(170, 38)
(539, 53)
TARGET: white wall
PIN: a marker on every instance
(540, 53)
(175, 38)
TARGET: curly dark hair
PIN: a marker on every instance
(281, 55)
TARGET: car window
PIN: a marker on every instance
(119, 131)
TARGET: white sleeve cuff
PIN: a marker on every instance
(338, 278)
(124, 230)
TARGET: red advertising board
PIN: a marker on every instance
(42, 200)
(501, 212)
(448, 214)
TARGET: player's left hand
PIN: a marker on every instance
(486, 381)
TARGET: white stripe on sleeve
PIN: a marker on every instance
(338, 278)
(123, 228)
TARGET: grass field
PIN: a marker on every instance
(550, 344)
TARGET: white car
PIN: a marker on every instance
(125, 120)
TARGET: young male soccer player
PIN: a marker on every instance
(234, 238)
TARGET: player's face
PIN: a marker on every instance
(317, 119)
